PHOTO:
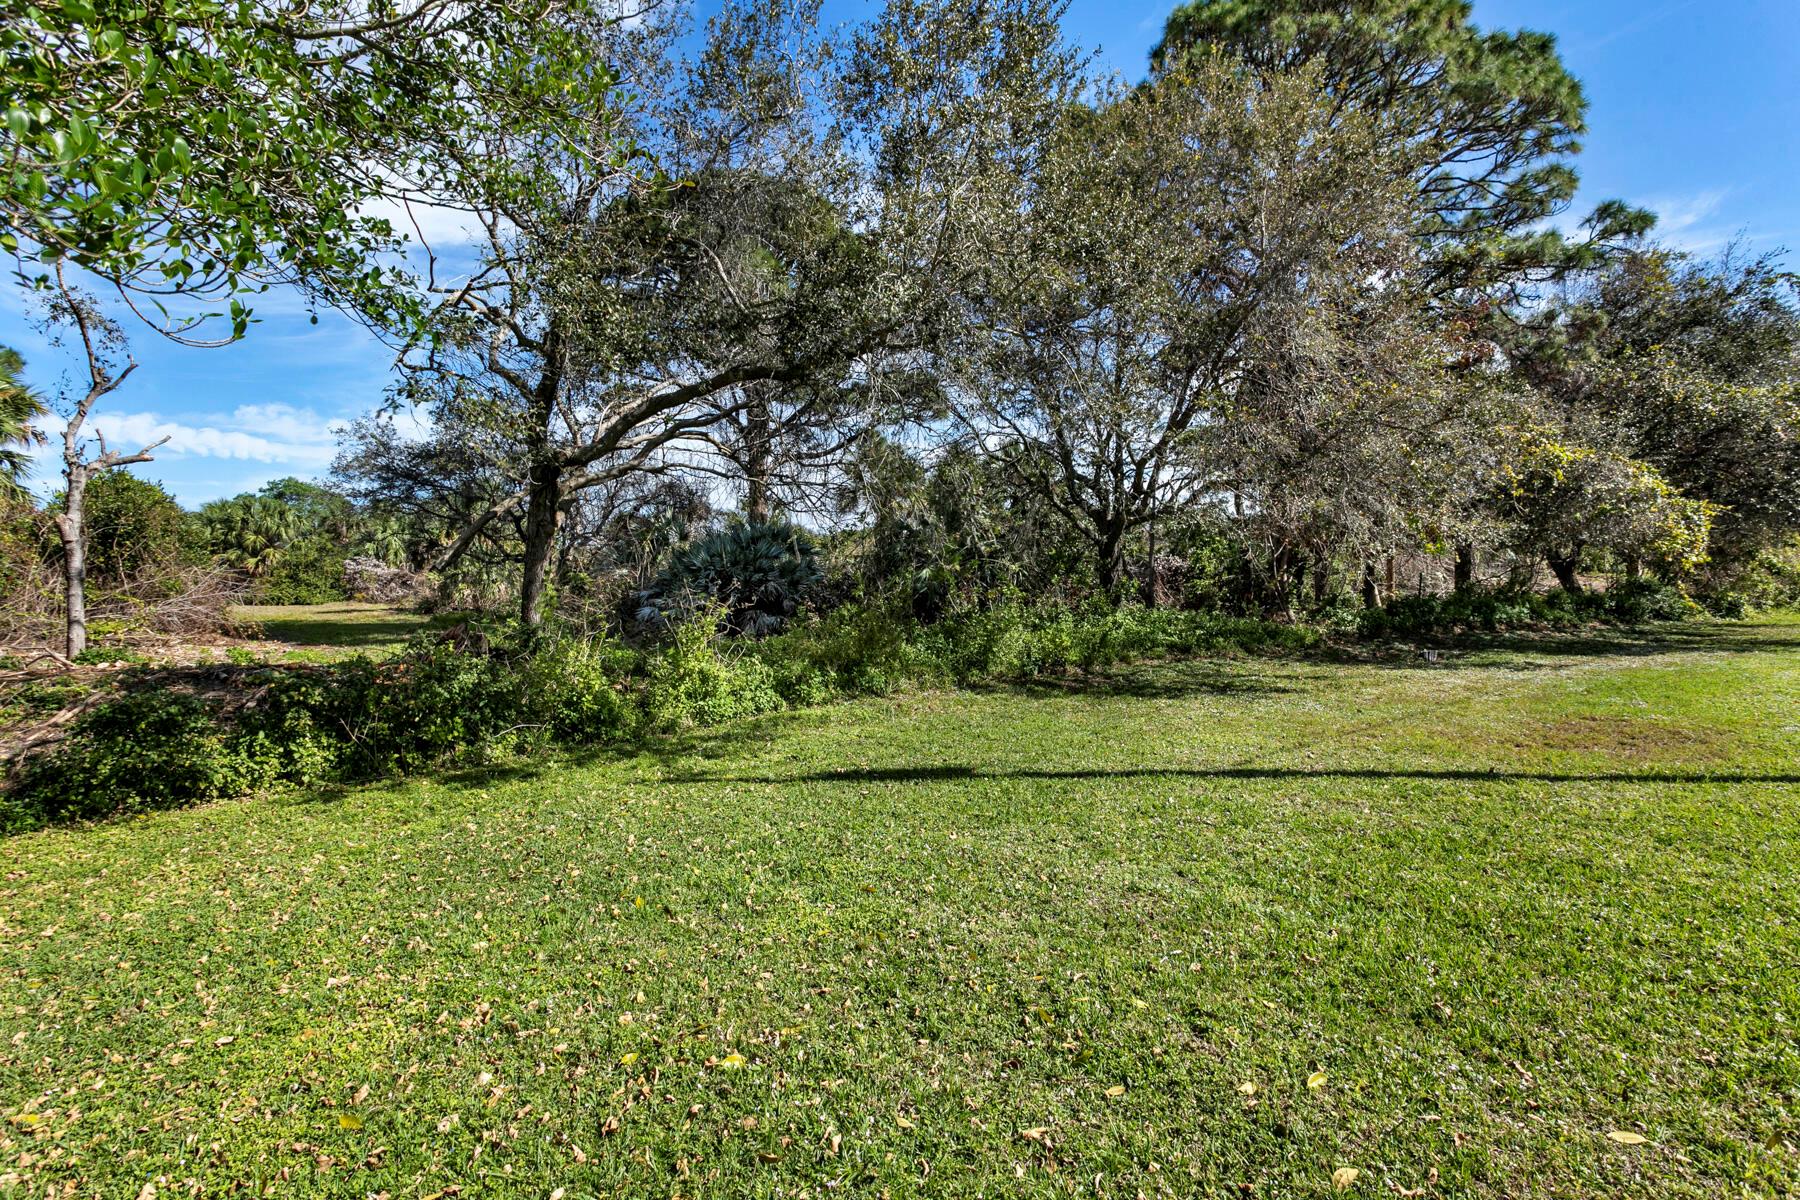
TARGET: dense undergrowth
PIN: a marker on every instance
(460, 700)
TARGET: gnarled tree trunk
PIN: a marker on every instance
(1465, 566)
(541, 513)
(1563, 566)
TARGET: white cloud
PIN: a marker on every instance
(438, 226)
(1686, 222)
(267, 433)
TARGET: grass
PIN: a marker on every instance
(320, 632)
(1214, 928)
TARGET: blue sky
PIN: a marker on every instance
(1693, 113)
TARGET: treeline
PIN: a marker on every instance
(1271, 331)
(1299, 323)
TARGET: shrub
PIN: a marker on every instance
(435, 702)
(689, 683)
(854, 649)
(1638, 600)
(309, 570)
(144, 750)
(1627, 602)
(487, 692)
(577, 691)
(135, 528)
(1770, 581)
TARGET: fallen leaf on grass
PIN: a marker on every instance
(349, 1121)
(1116, 1090)
(1627, 1138)
(1247, 1088)
(733, 1061)
(1344, 1177)
(1035, 1133)
(1316, 1080)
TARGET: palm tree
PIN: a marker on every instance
(19, 407)
(249, 532)
(384, 537)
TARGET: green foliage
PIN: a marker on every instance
(1015, 640)
(853, 650)
(1482, 120)
(1687, 365)
(479, 694)
(249, 532)
(20, 408)
(308, 571)
(144, 750)
(293, 537)
(1771, 581)
(486, 693)
(1561, 495)
(688, 682)
(577, 690)
(205, 148)
(1627, 602)
(135, 527)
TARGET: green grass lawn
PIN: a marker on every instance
(1218, 928)
(324, 631)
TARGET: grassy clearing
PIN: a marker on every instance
(1190, 930)
(323, 631)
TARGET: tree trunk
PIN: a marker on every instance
(1371, 592)
(1280, 568)
(1563, 567)
(1152, 576)
(74, 546)
(1634, 567)
(540, 539)
(1465, 566)
(544, 503)
(1112, 557)
(758, 451)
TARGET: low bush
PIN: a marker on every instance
(1770, 581)
(854, 650)
(489, 692)
(1629, 602)
(141, 751)
(689, 683)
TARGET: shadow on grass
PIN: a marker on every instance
(955, 773)
(1167, 679)
(389, 631)
(1530, 647)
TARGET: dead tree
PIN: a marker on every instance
(98, 335)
